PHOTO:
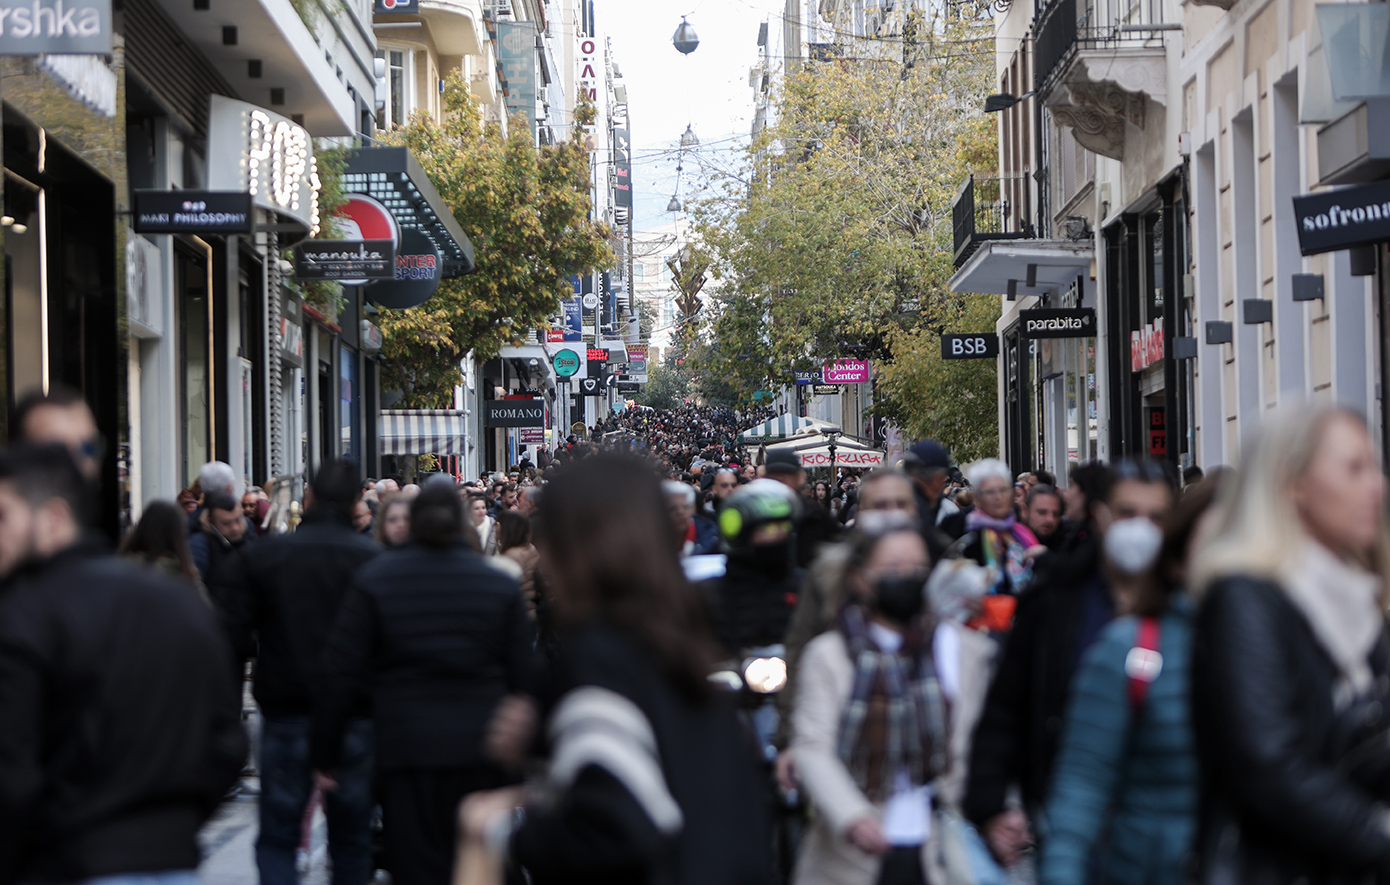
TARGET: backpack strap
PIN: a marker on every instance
(1143, 663)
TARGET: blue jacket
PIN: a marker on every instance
(1123, 806)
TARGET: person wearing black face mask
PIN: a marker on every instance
(753, 602)
(871, 722)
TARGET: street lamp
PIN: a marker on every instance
(1003, 101)
(685, 39)
(688, 138)
(831, 436)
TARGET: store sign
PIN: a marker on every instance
(292, 331)
(574, 323)
(842, 459)
(555, 336)
(637, 351)
(37, 27)
(622, 169)
(266, 155)
(566, 363)
(591, 387)
(846, 372)
(597, 355)
(345, 260)
(1158, 433)
(192, 212)
(371, 337)
(825, 390)
(1341, 219)
(517, 44)
(515, 413)
(531, 435)
(811, 377)
(1146, 346)
(970, 346)
(1056, 323)
(389, 7)
(416, 276)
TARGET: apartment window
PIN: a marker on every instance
(399, 92)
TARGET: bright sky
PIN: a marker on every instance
(666, 90)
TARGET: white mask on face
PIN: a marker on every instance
(1131, 545)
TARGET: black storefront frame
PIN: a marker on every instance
(1125, 252)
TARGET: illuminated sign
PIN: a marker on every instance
(598, 355)
(266, 155)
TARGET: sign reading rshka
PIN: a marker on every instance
(68, 27)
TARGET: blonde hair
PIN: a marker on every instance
(1256, 528)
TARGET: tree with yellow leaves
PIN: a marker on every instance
(526, 211)
(836, 240)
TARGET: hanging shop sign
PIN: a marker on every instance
(531, 435)
(622, 169)
(416, 277)
(372, 339)
(192, 212)
(515, 413)
(396, 7)
(811, 377)
(566, 363)
(266, 155)
(597, 355)
(591, 387)
(516, 42)
(345, 260)
(1158, 432)
(72, 27)
(1057, 323)
(1341, 219)
(970, 346)
(825, 390)
(555, 336)
(1146, 346)
(846, 372)
(573, 313)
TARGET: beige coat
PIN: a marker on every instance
(824, 682)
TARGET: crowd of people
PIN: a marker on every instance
(974, 676)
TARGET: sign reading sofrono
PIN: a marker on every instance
(1341, 219)
(70, 27)
(266, 155)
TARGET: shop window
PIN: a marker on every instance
(194, 302)
(349, 426)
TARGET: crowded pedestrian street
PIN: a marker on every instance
(757, 442)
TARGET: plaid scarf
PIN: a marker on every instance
(896, 715)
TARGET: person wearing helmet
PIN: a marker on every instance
(754, 600)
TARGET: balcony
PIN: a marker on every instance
(1100, 64)
(981, 212)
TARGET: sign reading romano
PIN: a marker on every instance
(1056, 323)
(515, 413)
(1340, 219)
(192, 212)
(345, 260)
(69, 27)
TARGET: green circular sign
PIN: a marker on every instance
(566, 363)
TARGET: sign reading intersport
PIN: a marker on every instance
(70, 27)
(1056, 323)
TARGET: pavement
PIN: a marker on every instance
(229, 843)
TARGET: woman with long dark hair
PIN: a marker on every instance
(160, 539)
(656, 782)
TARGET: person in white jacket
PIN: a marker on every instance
(484, 525)
(871, 726)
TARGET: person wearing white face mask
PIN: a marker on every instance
(1123, 806)
(1071, 599)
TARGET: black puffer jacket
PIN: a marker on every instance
(279, 599)
(1275, 807)
(438, 637)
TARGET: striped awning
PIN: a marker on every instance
(423, 432)
(784, 426)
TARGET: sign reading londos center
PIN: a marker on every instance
(1056, 323)
(846, 372)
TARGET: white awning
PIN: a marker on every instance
(423, 432)
(816, 453)
(785, 425)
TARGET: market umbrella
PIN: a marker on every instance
(784, 426)
(816, 452)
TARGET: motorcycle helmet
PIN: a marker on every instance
(757, 523)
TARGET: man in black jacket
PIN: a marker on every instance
(121, 722)
(1059, 615)
(439, 638)
(279, 599)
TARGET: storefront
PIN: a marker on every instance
(63, 311)
(1149, 365)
